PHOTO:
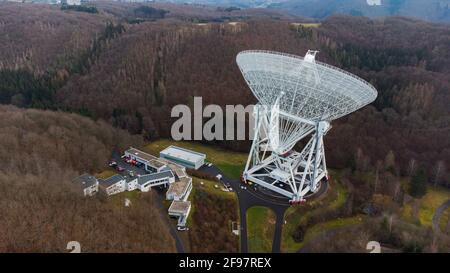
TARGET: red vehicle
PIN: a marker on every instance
(130, 161)
(299, 202)
(120, 169)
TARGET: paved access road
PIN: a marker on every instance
(437, 216)
(140, 171)
(173, 231)
(247, 199)
(128, 167)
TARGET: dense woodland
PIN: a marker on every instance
(118, 68)
(42, 152)
(213, 215)
(132, 74)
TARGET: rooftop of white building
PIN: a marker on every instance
(180, 187)
(141, 154)
(179, 207)
(154, 176)
(85, 180)
(182, 153)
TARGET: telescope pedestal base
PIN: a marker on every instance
(293, 174)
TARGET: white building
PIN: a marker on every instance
(151, 163)
(180, 210)
(180, 171)
(156, 165)
(145, 182)
(184, 157)
(72, 2)
(180, 190)
(131, 183)
(88, 184)
(114, 184)
(374, 2)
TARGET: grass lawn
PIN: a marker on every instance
(211, 187)
(231, 163)
(296, 215)
(341, 197)
(330, 225)
(232, 171)
(132, 195)
(105, 174)
(434, 198)
(261, 228)
(119, 199)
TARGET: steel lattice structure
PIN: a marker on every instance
(298, 98)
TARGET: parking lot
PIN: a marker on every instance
(127, 168)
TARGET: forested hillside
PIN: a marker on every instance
(37, 38)
(42, 152)
(131, 74)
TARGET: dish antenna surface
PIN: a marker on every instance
(298, 98)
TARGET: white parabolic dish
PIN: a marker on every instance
(308, 89)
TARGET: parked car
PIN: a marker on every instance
(131, 173)
(112, 163)
(120, 169)
(139, 164)
(182, 228)
(209, 164)
(219, 176)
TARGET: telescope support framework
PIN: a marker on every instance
(292, 174)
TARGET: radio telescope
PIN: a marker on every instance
(298, 98)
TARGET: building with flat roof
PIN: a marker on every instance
(156, 165)
(71, 2)
(180, 190)
(87, 183)
(145, 182)
(169, 170)
(184, 157)
(151, 163)
(113, 185)
(180, 210)
(180, 171)
(131, 183)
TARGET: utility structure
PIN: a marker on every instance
(298, 98)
